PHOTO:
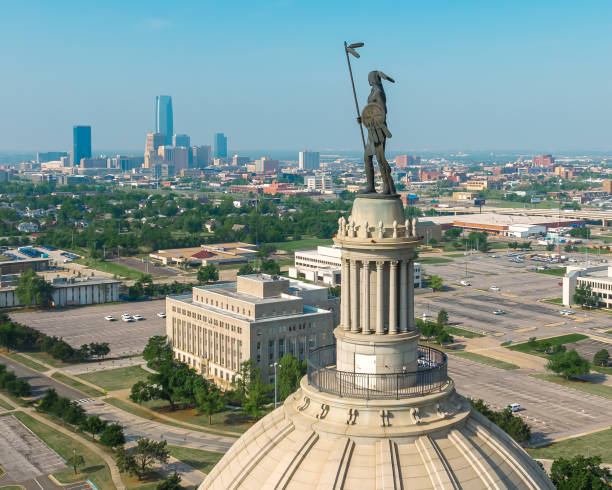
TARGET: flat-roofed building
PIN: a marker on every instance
(258, 317)
(598, 277)
(218, 253)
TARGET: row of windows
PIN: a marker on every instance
(209, 320)
(223, 306)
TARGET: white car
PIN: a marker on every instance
(161, 314)
(110, 318)
(137, 317)
(495, 288)
(127, 318)
(495, 256)
(566, 312)
(514, 407)
(465, 283)
(499, 312)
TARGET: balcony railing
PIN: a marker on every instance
(430, 377)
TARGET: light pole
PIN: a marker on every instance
(276, 366)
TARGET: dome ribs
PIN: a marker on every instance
(438, 469)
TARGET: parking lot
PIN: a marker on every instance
(23, 455)
(80, 326)
(472, 306)
(551, 410)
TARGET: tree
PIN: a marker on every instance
(580, 473)
(250, 388)
(265, 250)
(270, 266)
(208, 273)
(442, 317)
(569, 364)
(46, 402)
(209, 400)
(584, 296)
(505, 419)
(145, 454)
(453, 233)
(75, 460)
(75, 415)
(32, 289)
(94, 425)
(112, 436)
(126, 462)
(290, 373)
(156, 351)
(435, 282)
(601, 358)
(173, 482)
(245, 270)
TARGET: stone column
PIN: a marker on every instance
(345, 282)
(380, 301)
(365, 297)
(411, 294)
(403, 306)
(354, 287)
(393, 297)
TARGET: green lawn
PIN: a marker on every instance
(12, 487)
(462, 332)
(586, 386)
(27, 362)
(433, 260)
(196, 458)
(48, 359)
(76, 384)
(111, 268)
(555, 271)
(292, 246)
(5, 405)
(489, 361)
(116, 379)
(553, 301)
(95, 469)
(595, 444)
(561, 339)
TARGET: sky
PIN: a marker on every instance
(502, 75)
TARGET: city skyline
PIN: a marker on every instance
(468, 76)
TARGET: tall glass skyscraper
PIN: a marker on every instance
(81, 141)
(220, 142)
(163, 117)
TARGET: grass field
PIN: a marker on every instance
(116, 379)
(48, 359)
(76, 384)
(305, 243)
(555, 271)
(596, 444)
(433, 260)
(489, 361)
(5, 405)
(462, 332)
(553, 301)
(196, 458)
(586, 386)
(94, 469)
(111, 268)
(26, 362)
(561, 339)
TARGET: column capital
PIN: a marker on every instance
(380, 264)
(394, 263)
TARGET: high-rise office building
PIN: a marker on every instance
(175, 156)
(154, 141)
(220, 145)
(181, 140)
(266, 164)
(309, 160)
(81, 140)
(200, 156)
(163, 118)
(403, 161)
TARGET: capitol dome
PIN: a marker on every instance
(376, 410)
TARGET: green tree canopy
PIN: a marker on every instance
(601, 358)
(568, 364)
(32, 289)
(208, 273)
(290, 373)
(580, 473)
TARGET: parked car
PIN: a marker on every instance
(162, 314)
(566, 312)
(465, 283)
(499, 312)
(495, 288)
(495, 256)
(137, 317)
(514, 407)
(127, 318)
(110, 318)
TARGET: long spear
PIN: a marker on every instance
(351, 48)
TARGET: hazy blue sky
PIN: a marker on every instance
(470, 75)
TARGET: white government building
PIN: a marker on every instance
(323, 265)
(599, 277)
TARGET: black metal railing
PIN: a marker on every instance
(430, 376)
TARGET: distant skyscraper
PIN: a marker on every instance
(176, 156)
(403, 161)
(220, 145)
(154, 141)
(543, 161)
(200, 156)
(309, 160)
(181, 140)
(163, 117)
(49, 156)
(81, 140)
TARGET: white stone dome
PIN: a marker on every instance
(315, 441)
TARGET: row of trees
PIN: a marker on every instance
(516, 427)
(144, 287)
(435, 330)
(521, 245)
(16, 336)
(12, 384)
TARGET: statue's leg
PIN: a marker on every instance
(369, 171)
(385, 170)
